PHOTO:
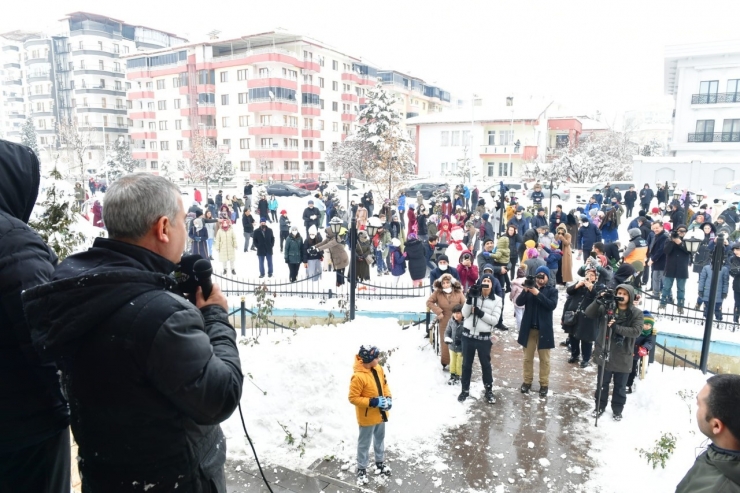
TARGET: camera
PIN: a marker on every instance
(529, 282)
(674, 234)
(474, 291)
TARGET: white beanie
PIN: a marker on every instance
(396, 242)
(312, 230)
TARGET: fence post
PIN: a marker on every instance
(716, 271)
(244, 317)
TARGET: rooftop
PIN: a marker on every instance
(21, 36)
(674, 53)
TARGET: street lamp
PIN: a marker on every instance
(373, 225)
(336, 226)
(700, 195)
(692, 240)
(676, 195)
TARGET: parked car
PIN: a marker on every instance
(560, 192)
(426, 189)
(519, 187)
(355, 193)
(582, 198)
(308, 183)
(286, 190)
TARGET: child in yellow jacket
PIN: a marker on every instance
(369, 393)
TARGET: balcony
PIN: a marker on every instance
(12, 65)
(501, 150)
(719, 98)
(17, 115)
(310, 155)
(715, 137)
(350, 97)
(33, 97)
(12, 82)
(37, 59)
(143, 154)
(273, 130)
(273, 82)
(310, 110)
(38, 76)
(142, 115)
(309, 133)
(282, 105)
(349, 117)
(274, 152)
(310, 88)
(141, 95)
(142, 135)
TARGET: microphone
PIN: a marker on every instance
(202, 273)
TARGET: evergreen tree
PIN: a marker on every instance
(120, 162)
(28, 135)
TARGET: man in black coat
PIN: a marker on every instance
(656, 256)
(34, 418)
(149, 374)
(646, 196)
(630, 197)
(311, 216)
(677, 215)
(248, 191)
(264, 241)
(536, 330)
(219, 199)
(677, 259)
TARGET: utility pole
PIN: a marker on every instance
(717, 261)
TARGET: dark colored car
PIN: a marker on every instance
(426, 189)
(308, 184)
(286, 190)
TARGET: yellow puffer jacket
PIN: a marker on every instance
(364, 387)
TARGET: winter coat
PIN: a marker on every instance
(502, 255)
(225, 245)
(401, 203)
(677, 260)
(436, 273)
(646, 196)
(532, 264)
(32, 408)
(587, 236)
(417, 260)
(310, 250)
(308, 213)
(149, 376)
(637, 247)
(200, 240)
(705, 285)
(476, 324)
(361, 217)
(630, 197)
(566, 265)
(441, 303)
(363, 250)
(486, 230)
(553, 257)
(556, 219)
(648, 341)
(538, 312)
(365, 385)
(586, 329)
(264, 241)
(219, 200)
(443, 232)
(714, 471)
(468, 275)
(248, 223)
(397, 266)
(80, 194)
(421, 224)
(272, 205)
(627, 325)
(522, 225)
(677, 217)
(337, 251)
(514, 242)
(284, 224)
(454, 331)
(97, 211)
(538, 221)
(412, 221)
(263, 208)
(656, 250)
(292, 249)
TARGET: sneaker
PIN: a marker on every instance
(597, 413)
(661, 307)
(451, 381)
(680, 310)
(262, 277)
(362, 478)
(585, 364)
(617, 416)
(629, 389)
(269, 275)
(457, 379)
(463, 395)
(543, 390)
(382, 468)
(564, 343)
(573, 359)
(525, 388)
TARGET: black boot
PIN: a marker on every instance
(525, 388)
(463, 395)
(490, 398)
(736, 315)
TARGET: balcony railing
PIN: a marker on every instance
(270, 100)
(722, 97)
(715, 137)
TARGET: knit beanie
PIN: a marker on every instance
(542, 270)
(533, 253)
(648, 318)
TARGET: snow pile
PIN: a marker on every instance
(305, 378)
(653, 410)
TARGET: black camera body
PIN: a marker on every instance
(529, 282)
(674, 234)
(474, 291)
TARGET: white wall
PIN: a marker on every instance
(432, 154)
(708, 175)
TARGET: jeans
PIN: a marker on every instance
(293, 268)
(544, 355)
(262, 264)
(619, 396)
(273, 215)
(375, 434)
(581, 348)
(379, 261)
(717, 310)
(629, 210)
(210, 247)
(43, 467)
(247, 237)
(646, 275)
(657, 281)
(469, 348)
(668, 286)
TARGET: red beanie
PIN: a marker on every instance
(283, 212)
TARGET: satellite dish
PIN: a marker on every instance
(272, 96)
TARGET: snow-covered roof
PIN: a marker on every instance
(480, 114)
(589, 124)
(674, 53)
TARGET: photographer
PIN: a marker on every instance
(149, 374)
(481, 310)
(676, 268)
(536, 331)
(656, 256)
(620, 322)
(733, 262)
(584, 330)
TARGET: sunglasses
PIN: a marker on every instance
(541, 276)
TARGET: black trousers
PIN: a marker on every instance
(283, 237)
(619, 395)
(581, 348)
(469, 348)
(293, 271)
(633, 373)
(41, 468)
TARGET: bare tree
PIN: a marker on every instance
(77, 140)
(465, 169)
(207, 162)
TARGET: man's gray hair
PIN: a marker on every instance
(136, 201)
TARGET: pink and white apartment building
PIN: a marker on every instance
(275, 103)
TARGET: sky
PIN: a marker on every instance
(601, 55)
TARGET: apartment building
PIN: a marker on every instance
(75, 76)
(275, 103)
(12, 109)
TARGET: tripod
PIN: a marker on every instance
(606, 349)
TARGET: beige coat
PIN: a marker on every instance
(567, 262)
(361, 217)
(441, 303)
(225, 245)
(338, 252)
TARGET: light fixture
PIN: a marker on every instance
(676, 194)
(373, 225)
(493, 193)
(700, 195)
(336, 225)
(693, 239)
(675, 184)
(512, 193)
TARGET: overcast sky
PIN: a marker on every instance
(603, 54)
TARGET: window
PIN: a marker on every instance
(244, 143)
(455, 138)
(308, 165)
(444, 138)
(308, 79)
(334, 106)
(227, 142)
(290, 121)
(708, 91)
(335, 126)
(178, 124)
(152, 126)
(731, 130)
(290, 74)
(265, 120)
(163, 125)
(161, 105)
(101, 65)
(321, 124)
(118, 86)
(223, 76)
(103, 103)
(102, 84)
(82, 64)
(225, 121)
(128, 86)
(346, 88)
(466, 137)
(105, 120)
(120, 123)
(290, 165)
(178, 145)
(164, 145)
(125, 49)
(155, 165)
(503, 169)
(150, 105)
(80, 45)
(507, 137)
(491, 137)
(561, 141)
(177, 104)
(704, 131)
(160, 84)
(224, 99)
(150, 85)
(241, 74)
(321, 82)
(321, 103)
(491, 168)
(334, 65)
(308, 145)
(346, 108)
(245, 166)
(322, 166)
(321, 145)
(153, 145)
(290, 143)
(176, 82)
(733, 91)
(308, 123)
(335, 86)
(130, 105)
(243, 98)
(244, 121)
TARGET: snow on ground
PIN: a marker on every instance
(654, 409)
(305, 378)
(696, 331)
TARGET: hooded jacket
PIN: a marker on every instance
(338, 252)
(538, 312)
(627, 326)
(436, 273)
(469, 274)
(656, 250)
(293, 249)
(636, 248)
(364, 385)
(416, 259)
(677, 260)
(32, 408)
(715, 471)
(479, 325)
(502, 255)
(149, 376)
(587, 236)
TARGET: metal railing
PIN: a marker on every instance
(715, 137)
(722, 97)
(690, 314)
(681, 359)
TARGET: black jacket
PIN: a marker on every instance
(630, 197)
(263, 209)
(677, 260)
(416, 259)
(646, 196)
(264, 240)
(248, 223)
(307, 213)
(656, 250)
(32, 408)
(678, 217)
(538, 312)
(308, 250)
(578, 299)
(149, 376)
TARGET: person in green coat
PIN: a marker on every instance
(292, 252)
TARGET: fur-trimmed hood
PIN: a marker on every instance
(456, 286)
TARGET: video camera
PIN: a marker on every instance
(529, 282)
(674, 234)
(474, 291)
(609, 300)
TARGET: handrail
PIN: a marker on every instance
(679, 357)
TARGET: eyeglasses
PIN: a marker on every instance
(541, 276)
(681, 230)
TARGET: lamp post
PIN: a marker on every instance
(700, 195)
(717, 259)
(549, 209)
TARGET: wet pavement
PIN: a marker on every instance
(521, 443)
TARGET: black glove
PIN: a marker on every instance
(479, 313)
(469, 300)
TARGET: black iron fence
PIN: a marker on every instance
(722, 97)
(689, 313)
(675, 357)
(715, 137)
